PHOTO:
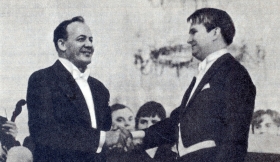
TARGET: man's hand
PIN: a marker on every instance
(113, 137)
(121, 137)
(10, 128)
(128, 145)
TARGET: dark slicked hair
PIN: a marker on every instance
(150, 109)
(212, 18)
(60, 31)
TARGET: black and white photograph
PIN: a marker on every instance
(140, 81)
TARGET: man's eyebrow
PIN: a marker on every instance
(81, 36)
(120, 117)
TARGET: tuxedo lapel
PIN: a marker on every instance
(211, 71)
(187, 94)
(71, 89)
(95, 96)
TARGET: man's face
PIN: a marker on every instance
(146, 122)
(123, 118)
(267, 126)
(200, 40)
(79, 48)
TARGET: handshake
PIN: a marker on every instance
(120, 138)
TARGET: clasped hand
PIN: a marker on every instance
(10, 128)
(120, 138)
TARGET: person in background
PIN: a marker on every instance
(8, 135)
(266, 122)
(149, 114)
(122, 117)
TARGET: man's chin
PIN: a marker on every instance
(194, 54)
(86, 60)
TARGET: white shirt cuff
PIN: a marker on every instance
(101, 141)
(138, 134)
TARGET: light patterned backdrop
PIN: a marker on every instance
(124, 29)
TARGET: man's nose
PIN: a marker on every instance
(149, 124)
(262, 131)
(126, 124)
(88, 43)
(190, 39)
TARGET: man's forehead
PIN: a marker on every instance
(193, 25)
(78, 28)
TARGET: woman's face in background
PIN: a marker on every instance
(267, 126)
(146, 122)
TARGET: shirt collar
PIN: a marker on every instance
(212, 57)
(74, 70)
(215, 55)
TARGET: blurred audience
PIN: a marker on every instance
(266, 122)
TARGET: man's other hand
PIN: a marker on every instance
(114, 137)
(10, 128)
(121, 137)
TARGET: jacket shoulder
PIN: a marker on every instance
(233, 67)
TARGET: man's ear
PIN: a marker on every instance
(216, 33)
(61, 44)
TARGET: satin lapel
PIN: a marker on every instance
(94, 92)
(71, 89)
(211, 71)
(187, 95)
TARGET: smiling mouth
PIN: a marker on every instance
(87, 53)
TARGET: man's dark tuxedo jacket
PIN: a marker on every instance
(221, 112)
(59, 119)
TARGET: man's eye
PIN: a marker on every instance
(143, 121)
(268, 125)
(192, 32)
(80, 39)
(119, 119)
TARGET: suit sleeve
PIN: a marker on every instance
(239, 100)
(163, 132)
(47, 130)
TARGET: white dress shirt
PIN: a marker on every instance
(202, 69)
(81, 80)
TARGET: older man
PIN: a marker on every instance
(68, 109)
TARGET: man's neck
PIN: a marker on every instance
(70, 65)
(82, 69)
(215, 48)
